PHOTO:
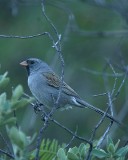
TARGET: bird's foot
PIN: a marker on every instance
(37, 107)
(46, 116)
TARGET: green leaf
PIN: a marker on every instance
(111, 148)
(61, 154)
(31, 139)
(110, 145)
(83, 150)
(20, 103)
(109, 140)
(3, 102)
(82, 145)
(17, 92)
(7, 121)
(17, 137)
(72, 156)
(99, 153)
(4, 80)
(122, 151)
(2, 99)
(72, 153)
(54, 145)
(5, 106)
(16, 105)
(74, 150)
(48, 149)
(117, 144)
(120, 158)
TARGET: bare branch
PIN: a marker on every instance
(111, 123)
(7, 154)
(70, 132)
(24, 37)
(57, 46)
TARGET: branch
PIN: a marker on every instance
(7, 154)
(24, 37)
(7, 145)
(57, 46)
(111, 123)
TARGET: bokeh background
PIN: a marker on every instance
(93, 31)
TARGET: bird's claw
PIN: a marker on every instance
(37, 107)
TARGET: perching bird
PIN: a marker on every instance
(45, 84)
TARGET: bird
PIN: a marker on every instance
(45, 85)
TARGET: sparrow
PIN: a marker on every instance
(45, 85)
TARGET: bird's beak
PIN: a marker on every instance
(24, 63)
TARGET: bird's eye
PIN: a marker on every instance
(32, 62)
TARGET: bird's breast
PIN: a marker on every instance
(38, 87)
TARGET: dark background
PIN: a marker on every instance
(92, 32)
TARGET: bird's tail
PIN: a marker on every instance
(84, 104)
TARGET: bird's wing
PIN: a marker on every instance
(54, 81)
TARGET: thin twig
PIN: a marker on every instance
(24, 37)
(115, 81)
(98, 124)
(120, 87)
(46, 118)
(95, 129)
(57, 46)
(73, 137)
(104, 135)
(39, 139)
(7, 154)
(70, 132)
(93, 72)
(111, 123)
(100, 94)
(6, 143)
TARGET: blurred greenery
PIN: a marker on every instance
(81, 49)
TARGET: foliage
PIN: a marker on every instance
(20, 141)
(79, 153)
(8, 106)
(18, 138)
(48, 149)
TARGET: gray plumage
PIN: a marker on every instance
(44, 85)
